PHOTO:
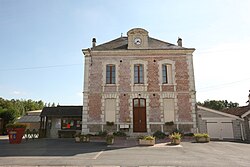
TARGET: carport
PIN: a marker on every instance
(60, 121)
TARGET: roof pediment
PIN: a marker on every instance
(122, 44)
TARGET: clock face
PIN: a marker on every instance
(137, 41)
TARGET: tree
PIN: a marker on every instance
(218, 104)
(8, 116)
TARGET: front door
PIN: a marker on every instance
(139, 115)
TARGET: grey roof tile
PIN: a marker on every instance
(29, 119)
(62, 111)
(238, 111)
(122, 44)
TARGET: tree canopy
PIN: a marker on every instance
(218, 104)
(10, 110)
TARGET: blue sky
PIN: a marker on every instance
(41, 43)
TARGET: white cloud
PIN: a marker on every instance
(17, 93)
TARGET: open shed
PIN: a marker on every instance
(60, 121)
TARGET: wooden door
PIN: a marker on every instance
(139, 115)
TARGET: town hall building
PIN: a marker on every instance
(138, 84)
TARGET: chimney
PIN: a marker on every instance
(179, 41)
(93, 42)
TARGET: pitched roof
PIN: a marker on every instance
(238, 111)
(29, 119)
(122, 44)
(62, 111)
(218, 112)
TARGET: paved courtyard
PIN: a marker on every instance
(65, 152)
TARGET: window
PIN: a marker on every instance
(110, 74)
(139, 103)
(167, 73)
(71, 123)
(138, 74)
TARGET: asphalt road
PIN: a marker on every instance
(65, 152)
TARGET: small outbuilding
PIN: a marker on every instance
(244, 113)
(220, 124)
(31, 120)
(60, 121)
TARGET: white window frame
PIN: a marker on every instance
(104, 64)
(170, 78)
(145, 71)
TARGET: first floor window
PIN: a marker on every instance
(110, 74)
(138, 74)
(167, 73)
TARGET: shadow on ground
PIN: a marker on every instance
(50, 147)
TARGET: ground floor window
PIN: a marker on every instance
(71, 123)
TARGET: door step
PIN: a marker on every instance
(136, 135)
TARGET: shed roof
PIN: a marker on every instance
(29, 119)
(62, 111)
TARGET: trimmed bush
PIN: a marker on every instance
(102, 133)
(15, 125)
(159, 135)
(120, 134)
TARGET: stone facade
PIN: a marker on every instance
(151, 54)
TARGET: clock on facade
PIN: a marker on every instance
(137, 41)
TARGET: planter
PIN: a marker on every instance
(82, 138)
(77, 139)
(202, 139)
(110, 141)
(144, 142)
(175, 141)
(15, 135)
(85, 139)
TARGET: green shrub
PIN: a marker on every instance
(175, 135)
(141, 137)
(200, 135)
(177, 131)
(102, 133)
(171, 123)
(189, 134)
(159, 135)
(148, 138)
(15, 125)
(110, 123)
(120, 134)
